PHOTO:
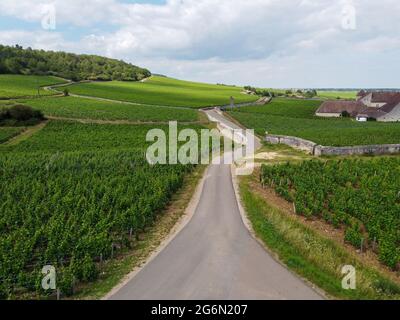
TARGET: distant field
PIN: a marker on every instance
(16, 86)
(295, 118)
(164, 92)
(71, 107)
(8, 133)
(337, 94)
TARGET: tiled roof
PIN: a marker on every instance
(354, 108)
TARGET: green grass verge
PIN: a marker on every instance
(81, 108)
(164, 92)
(303, 250)
(16, 86)
(7, 133)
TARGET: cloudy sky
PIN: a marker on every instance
(267, 43)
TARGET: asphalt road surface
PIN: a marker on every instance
(215, 257)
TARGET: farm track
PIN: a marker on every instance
(214, 256)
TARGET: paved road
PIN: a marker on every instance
(215, 257)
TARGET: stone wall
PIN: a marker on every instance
(297, 143)
(259, 102)
(317, 150)
(358, 150)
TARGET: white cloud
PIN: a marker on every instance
(264, 42)
(38, 39)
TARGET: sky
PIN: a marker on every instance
(264, 43)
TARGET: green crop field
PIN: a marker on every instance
(350, 95)
(62, 136)
(293, 108)
(8, 133)
(295, 118)
(15, 86)
(84, 189)
(81, 108)
(164, 92)
(363, 195)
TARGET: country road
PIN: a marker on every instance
(214, 256)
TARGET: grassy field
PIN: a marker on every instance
(295, 118)
(350, 95)
(8, 133)
(87, 192)
(81, 108)
(164, 92)
(16, 86)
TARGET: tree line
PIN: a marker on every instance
(17, 60)
(308, 94)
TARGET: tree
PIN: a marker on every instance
(16, 60)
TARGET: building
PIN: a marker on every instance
(380, 105)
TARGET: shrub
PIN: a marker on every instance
(20, 114)
(389, 253)
(345, 114)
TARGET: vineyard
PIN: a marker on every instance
(73, 194)
(296, 118)
(362, 196)
(80, 108)
(8, 133)
(164, 92)
(15, 86)
(337, 94)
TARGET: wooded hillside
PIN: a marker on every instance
(17, 60)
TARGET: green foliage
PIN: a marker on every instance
(164, 91)
(16, 60)
(389, 249)
(68, 208)
(81, 108)
(310, 254)
(61, 136)
(345, 114)
(6, 133)
(310, 93)
(344, 192)
(259, 92)
(354, 235)
(18, 86)
(297, 118)
(20, 115)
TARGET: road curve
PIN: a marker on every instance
(215, 257)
